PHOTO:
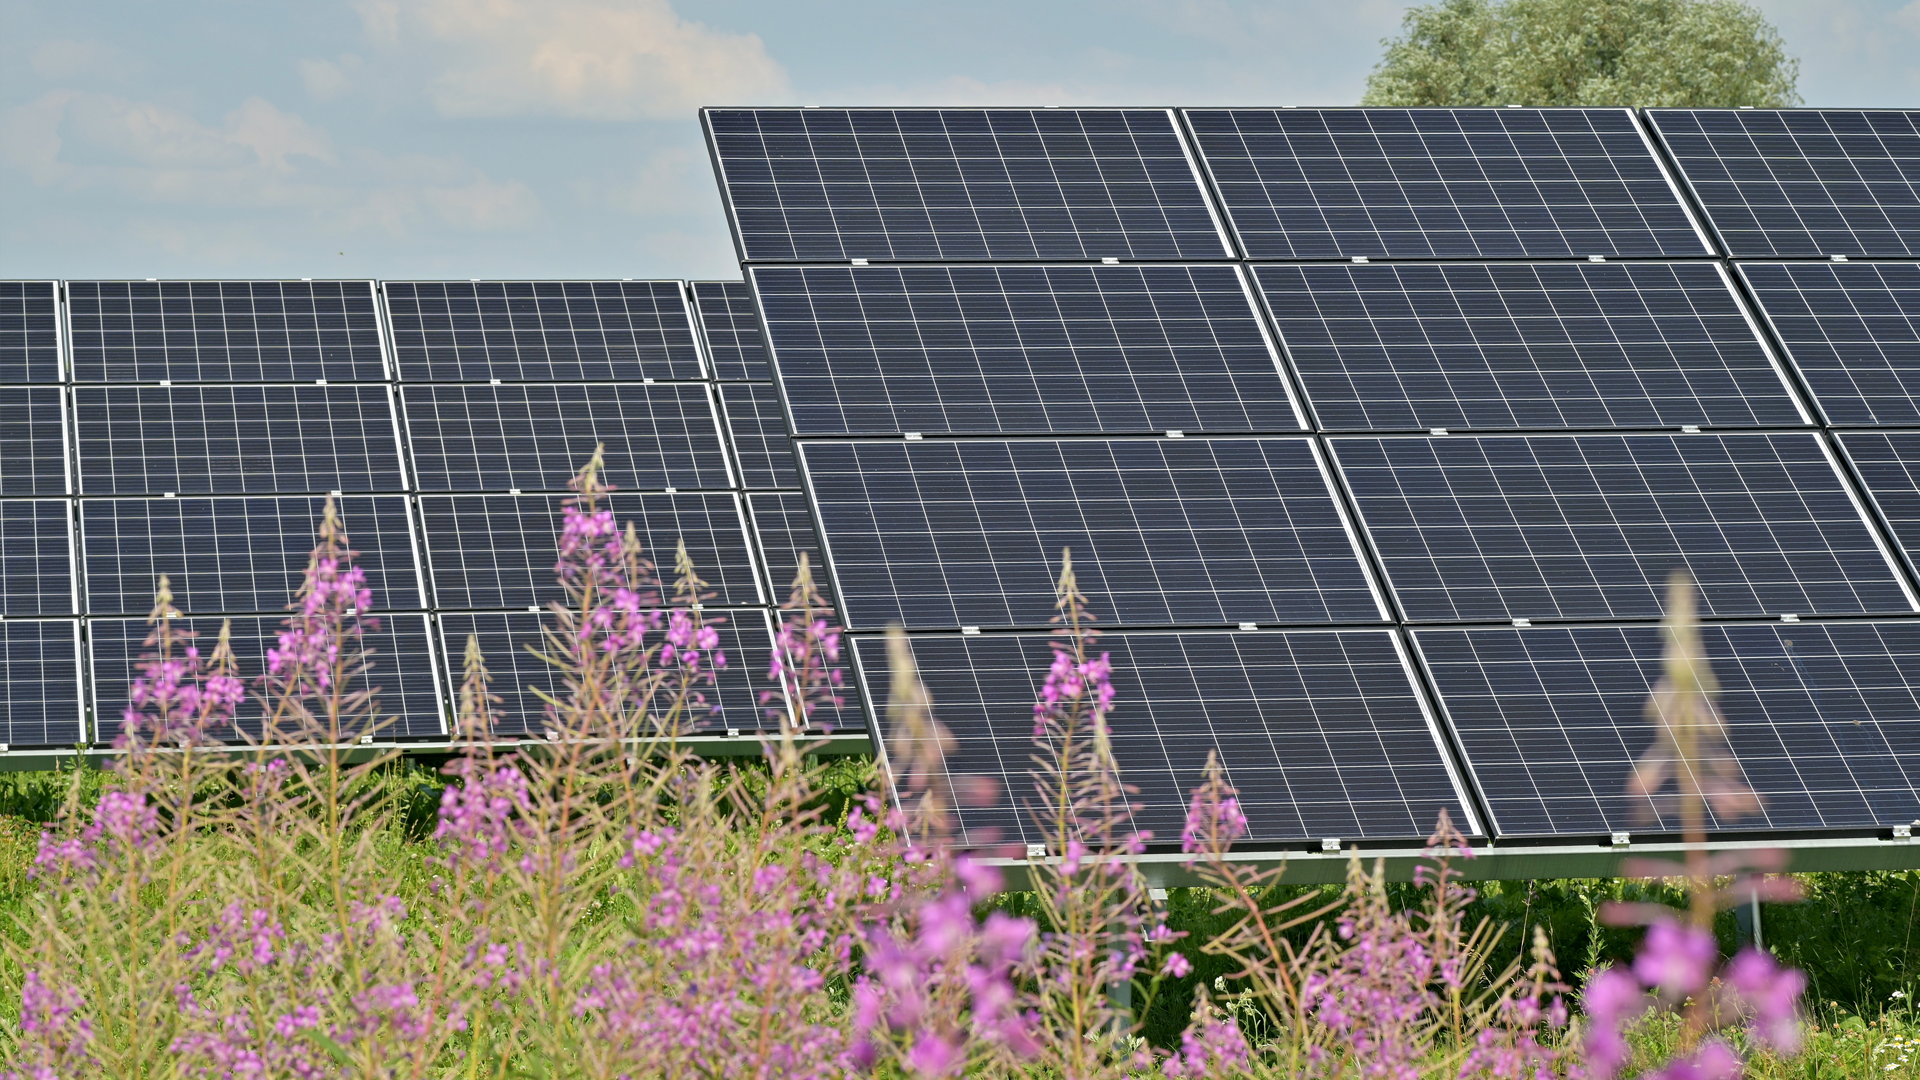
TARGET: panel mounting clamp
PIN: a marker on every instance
(1331, 843)
(860, 262)
(1249, 626)
(1109, 261)
(1621, 839)
(970, 630)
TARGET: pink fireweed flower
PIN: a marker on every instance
(1676, 958)
(477, 816)
(1177, 966)
(179, 696)
(1610, 999)
(1772, 996)
(1212, 1048)
(1714, 1060)
(55, 1035)
(124, 826)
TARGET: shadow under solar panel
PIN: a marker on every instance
(1852, 330)
(29, 332)
(731, 329)
(224, 331)
(472, 331)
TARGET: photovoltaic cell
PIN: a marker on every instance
(40, 683)
(36, 558)
(759, 434)
(1853, 330)
(404, 673)
(1442, 183)
(1591, 526)
(732, 331)
(33, 441)
(1889, 465)
(784, 528)
(1387, 346)
(1322, 732)
(1164, 532)
(1821, 720)
(454, 331)
(224, 331)
(29, 332)
(1802, 181)
(150, 440)
(236, 555)
(1010, 350)
(499, 551)
(955, 184)
(493, 438)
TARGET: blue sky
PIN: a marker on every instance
(557, 138)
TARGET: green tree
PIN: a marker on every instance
(1686, 53)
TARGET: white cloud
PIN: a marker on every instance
(330, 80)
(600, 59)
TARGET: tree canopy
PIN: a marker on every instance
(1676, 53)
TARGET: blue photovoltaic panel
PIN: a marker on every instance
(29, 332)
(36, 558)
(499, 551)
(472, 331)
(1853, 330)
(759, 433)
(1889, 465)
(1822, 719)
(216, 440)
(236, 555)
(1591, 526)
(784, 527)
(404, 672)
(33, 441)
(1164, 532)
(1010, 350)
(1322, 732)
(1386, 346)
(829, 185)
(224, 331)
(494, 438)
(1442, 183)
(1802, 181)
(40, 683)
(732, 331)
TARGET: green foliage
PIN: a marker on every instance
(1640, 53)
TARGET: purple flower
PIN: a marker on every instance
(1773, 995)
(1209, 1048)
(1611, 998)
(1713, 1061)
(1676, 958)
(1177, 966)
(477, 815)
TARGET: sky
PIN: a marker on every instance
(559, 138)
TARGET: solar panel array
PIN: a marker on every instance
(1378, 500)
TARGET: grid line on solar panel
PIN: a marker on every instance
(1888, 464)
(404, 673)
(1401, 346)
(36, 558)
(40, 683)
(29, 332)
(33, 440)
(237, 554)
(1820, 719)
(535, 437)
(1164, 532)
(541, 331)
(1474, 528)
(1797, 182)
(1442, 183)
(961, 184)
(499, 551)
(224, 331)
(1853, 332)
(1009, 350)
(758, 430)
(201, 440)
(784, 528)
(1321, 731)
(731, 328)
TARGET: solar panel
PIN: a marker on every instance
(759, 433)
(499, 551)
(1583, 527)
(36, 559)
(33, 441)
(1853, 330)
(404, 670)
(1442, 183)
(40, 683)
(1801, 181)
(1820, 717)
(1321, 731)
(1888, 463)
(29, 332)
(732, 331)
(1167, 532)
(955, 184)
(784, 527)
(150, 440)
(454, 331)
(1385, 346)
(481, 438)
(1023, 350)
(224, 331)
(235, 555)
